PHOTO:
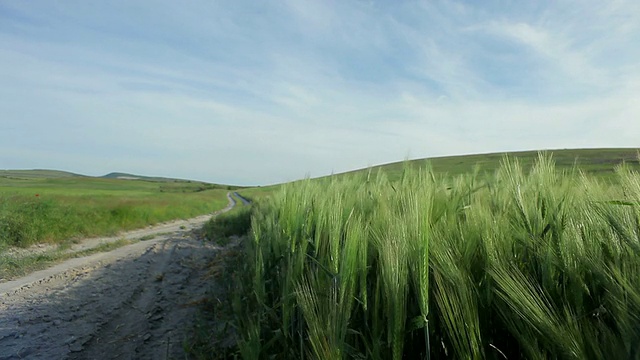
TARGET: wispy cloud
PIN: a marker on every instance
(252, 93)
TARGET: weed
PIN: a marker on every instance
(213, 335)
(234, 223)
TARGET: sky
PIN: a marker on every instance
(262, 92)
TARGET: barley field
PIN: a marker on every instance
(536, 264)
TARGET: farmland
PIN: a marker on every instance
(600, 163)
(55, 207)
(532, 256)
(523, 260)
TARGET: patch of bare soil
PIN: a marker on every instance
(136, 302)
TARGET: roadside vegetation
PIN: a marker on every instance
(535, 263)
(213, 334)
(260, 192)
(56, 210)
(223, 227)
(16, 265)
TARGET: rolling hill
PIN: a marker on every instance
(127, 176)
(37, 174)
(599, 162)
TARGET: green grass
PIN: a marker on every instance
(36, 174)
(600, 163)
(52, 210)
(597, 162)
(528, 262)
(212, 334)
(257, 193)
(235, 222)
(14, 266)
(147, 237)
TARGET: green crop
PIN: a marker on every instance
(543, 264)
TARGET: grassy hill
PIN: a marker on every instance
(127, 176)
(599, 162)
(37, 174)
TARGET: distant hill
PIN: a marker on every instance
(171, 184)
(126, 176)
(600, 162)
(167, 184)
(37, 174)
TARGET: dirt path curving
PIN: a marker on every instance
(134, 302)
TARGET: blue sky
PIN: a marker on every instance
(259, 92)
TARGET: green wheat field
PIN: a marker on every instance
(529, 260)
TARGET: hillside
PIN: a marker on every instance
(127, 176)
(37, 174)
(600, 162)
(57, 178)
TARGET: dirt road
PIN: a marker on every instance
(135, 302)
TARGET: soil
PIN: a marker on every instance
(135, 302)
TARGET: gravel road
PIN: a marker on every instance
(135, 302)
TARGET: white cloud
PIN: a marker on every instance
(555, 49)
(260, 93)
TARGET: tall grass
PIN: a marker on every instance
(222, 227)
(52, 218)
(538, 265)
